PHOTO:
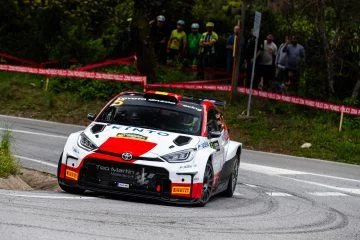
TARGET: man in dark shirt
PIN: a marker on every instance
(158, 35)
(295, 54)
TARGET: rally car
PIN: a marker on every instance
(154, 144)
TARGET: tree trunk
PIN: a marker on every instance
(146, 61)
(328, 50)
(356, 90)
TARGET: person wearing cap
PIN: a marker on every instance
(177, 41)
(230, 48)
(158, 36)
(207, 46)
(193, 45)
(266, 69)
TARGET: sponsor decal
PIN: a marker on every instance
(131, 136)
(140, 130)
(180, 190)
(192, 107)
(72, 175)
(123, 185)
(203, 145)
(215, 145)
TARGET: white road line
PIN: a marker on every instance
(38, 120)
(281, 171)
(46, 196)
(250, 185)
(36, 133)
(37, 161)
(279, 194)
(347, 190)
(328, 194)
(236, 194)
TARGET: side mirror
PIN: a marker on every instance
(91, 116)
(214, 134)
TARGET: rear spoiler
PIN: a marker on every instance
(217, 102)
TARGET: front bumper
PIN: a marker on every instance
(133, 180)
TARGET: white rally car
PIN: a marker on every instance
(153, 144)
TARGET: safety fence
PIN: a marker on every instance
(206, 85)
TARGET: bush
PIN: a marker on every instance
(8, 164)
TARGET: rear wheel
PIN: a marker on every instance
(207, 184)
(73, 190)
(229, 192)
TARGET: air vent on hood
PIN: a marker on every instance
(97, 128)
(182, 140)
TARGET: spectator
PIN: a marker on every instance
(295, 54)
(249, 57)
(158, 33)
(230, 48)
(266, 69)
(193, 45)
(126, 42)
(280, 63)
(177, 42)
(207, 46)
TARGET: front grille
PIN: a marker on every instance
(115, 176)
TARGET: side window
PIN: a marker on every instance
(212, 121)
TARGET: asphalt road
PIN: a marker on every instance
(277, 197)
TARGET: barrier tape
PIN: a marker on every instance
(74, 73)
(206, 81)
(8, 56)
(123, 61)
(263, 94)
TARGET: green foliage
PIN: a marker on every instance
(8, 164)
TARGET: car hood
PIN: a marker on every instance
(138, 141)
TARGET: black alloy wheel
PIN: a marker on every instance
(207, 183)
(229, 192)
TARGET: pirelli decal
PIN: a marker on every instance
(72, 175)
(177, 190)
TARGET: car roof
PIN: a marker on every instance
(166, 98)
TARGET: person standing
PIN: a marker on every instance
(249, 57)
(177, 42)
(158, 34)
(193, 45)
(281, 62)
(207, 46)
(230, 48)
(295, 55)
(266, 64)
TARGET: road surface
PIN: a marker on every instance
(277, 197)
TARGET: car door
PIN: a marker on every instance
(215, 134)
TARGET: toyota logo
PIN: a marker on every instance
(126, 156)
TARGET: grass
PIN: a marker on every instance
(273, 126)
(8, 164)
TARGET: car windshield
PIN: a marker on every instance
(153, 118)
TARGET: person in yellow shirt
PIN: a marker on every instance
(177, 42)
(207, 47)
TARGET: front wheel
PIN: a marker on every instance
(207, 184)
(229, 192)
(73, 190)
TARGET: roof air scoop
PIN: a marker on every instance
(182, 140)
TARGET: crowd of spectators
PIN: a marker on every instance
(277, 68)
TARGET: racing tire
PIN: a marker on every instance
(229, 192)
(207, 184)
(68, 189)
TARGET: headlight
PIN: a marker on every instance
(85, 143)
(181, 156)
